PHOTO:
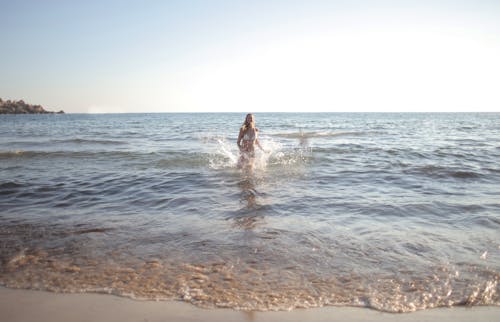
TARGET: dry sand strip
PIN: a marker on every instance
(27, 306)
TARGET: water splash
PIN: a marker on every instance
(224, 154)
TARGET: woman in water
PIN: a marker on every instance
(247, 139)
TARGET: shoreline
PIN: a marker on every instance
(31, 305)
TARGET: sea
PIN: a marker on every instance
(395, 212)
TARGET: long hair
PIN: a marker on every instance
(246, 124)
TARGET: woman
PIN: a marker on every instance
(247, 139)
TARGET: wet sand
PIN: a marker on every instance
(26, 306)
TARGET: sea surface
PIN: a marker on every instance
(394, 212)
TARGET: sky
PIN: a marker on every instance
(251, 56)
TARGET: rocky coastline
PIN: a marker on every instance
(20, 107)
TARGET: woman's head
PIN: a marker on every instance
(249, 121)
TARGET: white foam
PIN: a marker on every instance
(223, 156)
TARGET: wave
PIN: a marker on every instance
(61, 153)
(90, 141)
(319, 134)
(440, 172)
(10, 185)
(76, 141)
(10, 154)
(183, 159)
(246, 284)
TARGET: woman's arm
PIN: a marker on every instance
(257, 140)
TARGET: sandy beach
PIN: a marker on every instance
(26, 306)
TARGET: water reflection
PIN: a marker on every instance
(248, 217)
(248, 192)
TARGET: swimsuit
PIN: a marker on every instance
(247, 156)
(247, 137)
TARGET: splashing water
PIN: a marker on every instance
(224, 154)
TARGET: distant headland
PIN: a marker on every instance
(20, 107)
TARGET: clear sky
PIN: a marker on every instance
(251, 56)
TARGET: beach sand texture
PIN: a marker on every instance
(27, 306)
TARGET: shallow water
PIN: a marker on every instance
(395, 212)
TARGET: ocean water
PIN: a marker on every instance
(394, 212)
